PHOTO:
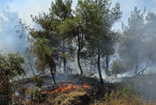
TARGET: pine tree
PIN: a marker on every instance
(98, 19)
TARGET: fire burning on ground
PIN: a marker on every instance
(64, 88)
(60, 89)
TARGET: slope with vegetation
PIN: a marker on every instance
(84, 35)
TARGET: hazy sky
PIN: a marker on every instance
(27, 7)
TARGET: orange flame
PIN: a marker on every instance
(63, 88)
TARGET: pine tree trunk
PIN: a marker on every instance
(32, 68)
(64, 59)
(64, 66)
(107, 64)
(52, 66)
(78, 55)
(136, 67)
(79, 64)
(52, 74)
(99, 68)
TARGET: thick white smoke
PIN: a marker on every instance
(12, 37)
(10, 32)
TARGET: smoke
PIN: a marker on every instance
(12, 37)
(137, 48)
(10, 40)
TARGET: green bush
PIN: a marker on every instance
(118, 67)
(36, 95)
(39, 81)
(124, 95)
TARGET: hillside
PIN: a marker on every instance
(81, 90)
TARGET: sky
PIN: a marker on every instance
(25, 8)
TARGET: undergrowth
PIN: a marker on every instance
(123, 96)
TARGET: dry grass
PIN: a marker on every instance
(72, 97)
(111, 94)
(124, 96)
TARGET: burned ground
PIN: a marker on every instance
(133, 90)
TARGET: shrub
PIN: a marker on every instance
(125, 96)
(36, 95)
(118, 67)
(39, 81)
